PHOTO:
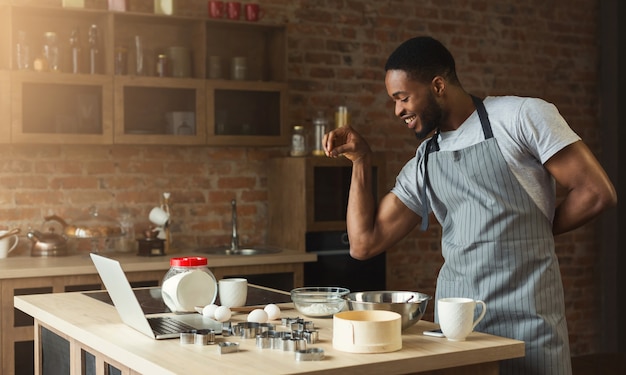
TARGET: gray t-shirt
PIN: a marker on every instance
(529, 131)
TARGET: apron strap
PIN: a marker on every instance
(433, 146)
(482, 115)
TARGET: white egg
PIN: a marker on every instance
(223, 313)
(273, 311)
(209, 310)
(257, 316)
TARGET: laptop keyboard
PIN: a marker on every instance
(164, 325)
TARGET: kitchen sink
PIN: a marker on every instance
(234, 248)
(239, 251)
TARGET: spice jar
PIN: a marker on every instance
(298, 141)
(187, 284)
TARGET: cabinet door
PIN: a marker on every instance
(246, 114)
(153, 110)
(61, 108)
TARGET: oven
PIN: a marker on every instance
(335, 266)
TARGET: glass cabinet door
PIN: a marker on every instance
(159, 111)
(61, 108)
(250, 115)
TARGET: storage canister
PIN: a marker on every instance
(188, 283)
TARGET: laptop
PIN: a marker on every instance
(127, 305)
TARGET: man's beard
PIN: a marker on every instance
(430, 119)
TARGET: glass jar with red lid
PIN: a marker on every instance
(188, 284)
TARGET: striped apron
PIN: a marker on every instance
(498, 247)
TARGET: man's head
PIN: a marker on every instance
(423, 58)
(418, 73)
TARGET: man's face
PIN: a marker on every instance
(414, 102)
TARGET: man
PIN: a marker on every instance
(488, 174)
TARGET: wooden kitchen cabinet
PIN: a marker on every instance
(135, 106)
(310, 195)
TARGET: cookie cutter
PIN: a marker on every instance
(204, 337)
(263, 341)
(227, 347)
(292, 344)
(310, 354)
(249, 330)
(188, 337)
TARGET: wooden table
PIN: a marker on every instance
(28, 275)
(94, 326)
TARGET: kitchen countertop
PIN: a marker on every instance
(91, 323)
(80, 264)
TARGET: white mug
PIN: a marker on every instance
(5, 244)
(456, 316)
(233, 292)
(159, 216)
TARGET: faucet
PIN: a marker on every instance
(234, 241)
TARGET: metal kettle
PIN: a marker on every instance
(48, 243)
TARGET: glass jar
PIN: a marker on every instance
(188, 284)
(238, 68)
(298, 141)
(342, 116)
(22, 51)
(51, 51)
(127, 241)
(162, 66)
(320, 125)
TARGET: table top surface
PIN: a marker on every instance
(96, 324)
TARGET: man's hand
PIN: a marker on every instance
(347, 142)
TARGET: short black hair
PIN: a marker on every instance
(423, 58)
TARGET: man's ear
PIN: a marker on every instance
(438, 85)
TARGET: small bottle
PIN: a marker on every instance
(298, 141)
(51, 51)
(75, 52)
(127, 241)
(121, 60)
(162, 66)
(94, 51)
(188, 283)
(342, 116)
(320, 125)
(22, 52)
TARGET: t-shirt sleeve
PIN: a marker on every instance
(406, 187)
(545, 132)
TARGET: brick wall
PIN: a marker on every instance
(336, 51)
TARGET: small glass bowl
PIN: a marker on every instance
(319, 302)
